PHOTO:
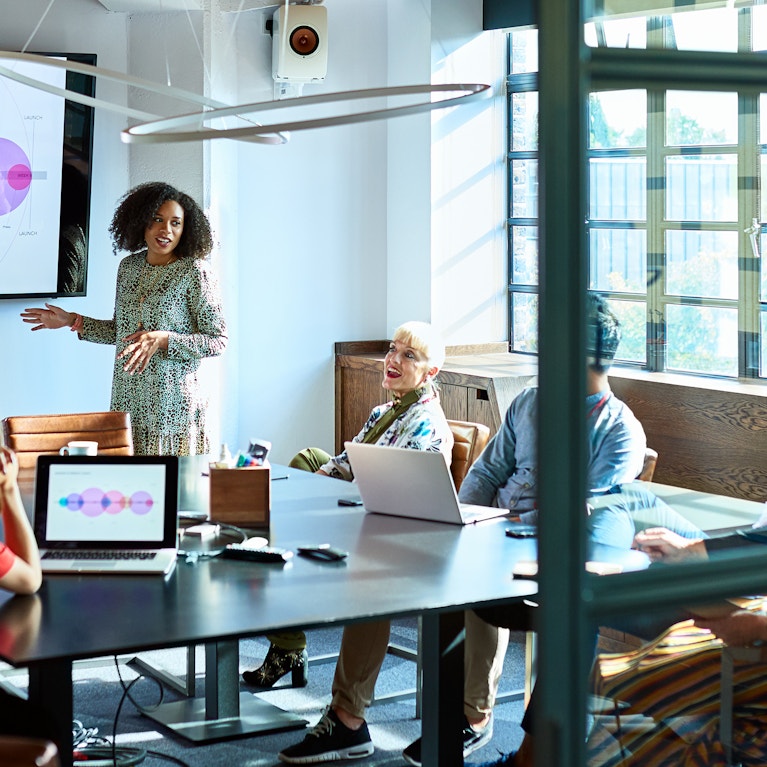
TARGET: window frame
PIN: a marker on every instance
(749, 154)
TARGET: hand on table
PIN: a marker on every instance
(663, 545)
(49, 318)
(141, 347)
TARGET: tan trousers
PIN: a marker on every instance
(363, 650)
(484, 651)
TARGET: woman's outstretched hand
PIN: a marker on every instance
(50, 318)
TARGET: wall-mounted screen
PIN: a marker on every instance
(46, 146)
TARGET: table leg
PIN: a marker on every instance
(184, 685)
(442, 706)
(222, 689)
(225, 712)
(50, 688)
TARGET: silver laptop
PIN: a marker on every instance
(106, 514)
(411, 483)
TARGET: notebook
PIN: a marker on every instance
(106, 514)
(411, 483)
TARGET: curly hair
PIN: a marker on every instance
(137, 208)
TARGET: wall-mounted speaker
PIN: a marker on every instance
(300, 43)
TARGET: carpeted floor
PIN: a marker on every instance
(99, 705)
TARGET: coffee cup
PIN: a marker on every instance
(80, 448)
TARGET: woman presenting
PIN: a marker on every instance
(412, 419)
(167, 317)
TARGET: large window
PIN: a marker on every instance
(675, 218)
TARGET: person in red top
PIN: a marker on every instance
(20, 573)
(19, 558)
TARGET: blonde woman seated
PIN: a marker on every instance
(412, 419)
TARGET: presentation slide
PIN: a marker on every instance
(106, 503)
(31, 130)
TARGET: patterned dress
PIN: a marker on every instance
(165, 402)
(422, 426)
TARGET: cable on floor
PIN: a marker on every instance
(92, 750)
(141, 709)
(89, 749)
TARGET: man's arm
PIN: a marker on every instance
(497, 461)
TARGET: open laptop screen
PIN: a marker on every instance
(103, 502)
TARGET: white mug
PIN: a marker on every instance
(80, 448)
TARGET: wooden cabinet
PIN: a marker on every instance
(477, 383)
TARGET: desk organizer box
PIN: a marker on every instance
(241, 496)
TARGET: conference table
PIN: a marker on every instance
(395, 567)
(710, 512)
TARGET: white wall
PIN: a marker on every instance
(468, 200)
(313, 248)
(326, 238)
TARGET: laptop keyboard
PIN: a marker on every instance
(101, 555)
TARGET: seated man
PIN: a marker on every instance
(505, 476)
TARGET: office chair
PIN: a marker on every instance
(650, 462)
(33, 435)
(469, 441)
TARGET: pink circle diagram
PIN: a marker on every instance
(15, 176)
(93, 502)
(19, 177)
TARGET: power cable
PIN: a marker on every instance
(92, 750)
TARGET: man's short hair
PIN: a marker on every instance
(603, 333)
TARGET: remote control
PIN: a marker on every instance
(264, 554)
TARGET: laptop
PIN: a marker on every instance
(106, 514)
(411, 483)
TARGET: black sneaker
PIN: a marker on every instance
(472, 740)
(328, 741)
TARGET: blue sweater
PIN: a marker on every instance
(505, 475)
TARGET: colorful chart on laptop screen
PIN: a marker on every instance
(94, 501)
(106, 502)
